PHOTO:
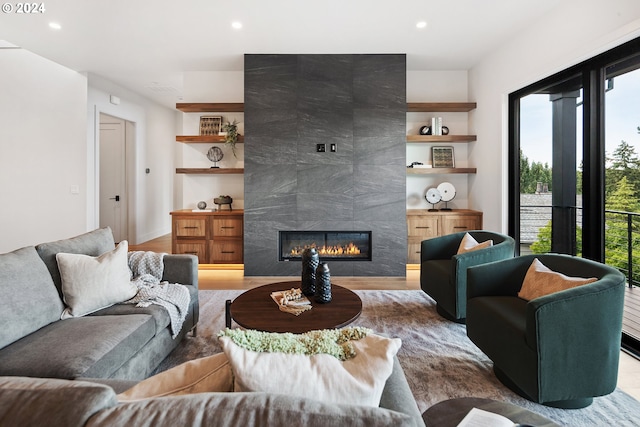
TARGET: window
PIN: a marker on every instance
(574, 170)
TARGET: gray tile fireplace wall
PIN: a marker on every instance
(292, 104)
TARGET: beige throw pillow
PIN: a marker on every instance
(540, 281)
(358, 381)
(92, 283)
(469, 244)
(207, 374)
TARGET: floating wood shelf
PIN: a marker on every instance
(209, 139)
(429, 171)
(210, 171)
(211, 107)
(441, 138)
(443, 107)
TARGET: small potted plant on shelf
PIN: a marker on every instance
(230, 130)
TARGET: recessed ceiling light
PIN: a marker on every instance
(55, 26)
(421, 24)
(236, 24)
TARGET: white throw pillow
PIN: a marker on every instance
(540, 281)
(91, 283)
(358, 381)
(207, 374)
(469, 244)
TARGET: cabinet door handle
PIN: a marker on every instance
(190, 226)
(425, 227)
(191, 253)
(228, 226)
(460, 226)
(228, 252)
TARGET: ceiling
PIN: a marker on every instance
(147, 45)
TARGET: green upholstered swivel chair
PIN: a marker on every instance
(443, 273)
(561, 349)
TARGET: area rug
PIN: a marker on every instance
(438, 359)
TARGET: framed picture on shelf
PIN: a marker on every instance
(210, 125)
(442, 157)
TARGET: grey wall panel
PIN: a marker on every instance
(293, 103)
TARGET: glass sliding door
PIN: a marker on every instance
(581, 127)
(622, 182)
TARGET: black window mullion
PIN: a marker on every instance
(514, 171)
(593, 177)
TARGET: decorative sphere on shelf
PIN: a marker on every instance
(202, 205)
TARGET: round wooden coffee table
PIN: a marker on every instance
(449, 413)
(255, 309)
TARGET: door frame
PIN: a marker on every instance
(126, 129)
(131, 139)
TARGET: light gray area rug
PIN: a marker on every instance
(438, 359)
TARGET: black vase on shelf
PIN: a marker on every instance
(323, 284)
(310, 261)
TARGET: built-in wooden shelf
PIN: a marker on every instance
(210, 171)
(211, 107)
(209, 139)
(441, 138)
(443, 107)
(430, 171)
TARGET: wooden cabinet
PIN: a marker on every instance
(423, 224)
(215, 237)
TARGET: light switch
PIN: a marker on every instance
(74, 189)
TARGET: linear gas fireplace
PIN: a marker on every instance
(331, 245)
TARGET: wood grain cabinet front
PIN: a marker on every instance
(423, 224)
(214, 237)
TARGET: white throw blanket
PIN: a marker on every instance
(146, 270)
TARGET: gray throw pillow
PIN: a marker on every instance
(30, 299)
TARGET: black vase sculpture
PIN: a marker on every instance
(323, 283)
(310, 261)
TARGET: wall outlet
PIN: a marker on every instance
(321, 148)
(333, 147)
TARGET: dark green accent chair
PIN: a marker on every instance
(561, 349)
(443, 273)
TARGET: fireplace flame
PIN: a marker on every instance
(349, 249)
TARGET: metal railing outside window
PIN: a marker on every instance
(622, 235)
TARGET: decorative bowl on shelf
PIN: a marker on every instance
(223, 200)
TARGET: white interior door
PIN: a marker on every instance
(113, 182)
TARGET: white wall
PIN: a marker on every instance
(42, 150)
(213, 86)
(155, 128)
(576, 30)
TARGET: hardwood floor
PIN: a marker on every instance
(232, 277)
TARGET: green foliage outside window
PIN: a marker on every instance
(622, 194)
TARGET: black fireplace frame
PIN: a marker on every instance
(361, 257)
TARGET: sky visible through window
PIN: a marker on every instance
(622, 118)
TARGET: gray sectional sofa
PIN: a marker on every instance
(63, 403)
(121, 341)
(67, 372)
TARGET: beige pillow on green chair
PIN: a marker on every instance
(540, 281)
(469, 244)
(207, 374)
